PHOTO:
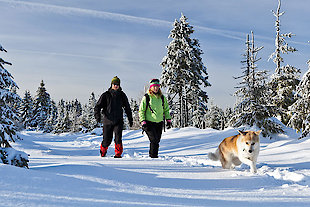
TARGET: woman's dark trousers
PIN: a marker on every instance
(154, 132)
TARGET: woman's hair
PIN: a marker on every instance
(159, 92)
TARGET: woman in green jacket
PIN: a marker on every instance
(153, 108)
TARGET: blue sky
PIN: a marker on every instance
(78, 46)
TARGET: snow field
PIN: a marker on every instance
(66, 170)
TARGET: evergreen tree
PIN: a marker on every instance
(135, 114)
(15, 104)
(75, 115)
(67, 123)
(83, 118)
(285, 78)
(60, 121)
(42, 107)
(300, 119)
(228, 113)
(215, 118)
(198, 119)
(26, 110)
(183, 73)
(253, 106)
(92, 122)
(8, 155)
(7, 96)
(52, 120)
(283, 83)
(87, 119)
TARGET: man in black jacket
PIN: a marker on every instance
(112, 103)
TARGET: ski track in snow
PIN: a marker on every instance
(66, 170)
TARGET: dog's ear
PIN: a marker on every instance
(258, 132)
(242, 132)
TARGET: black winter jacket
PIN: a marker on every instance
(112, 103)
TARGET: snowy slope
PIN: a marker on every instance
(66, 170)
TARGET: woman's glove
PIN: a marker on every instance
(143, 124)
(169, 123)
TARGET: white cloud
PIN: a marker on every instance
(87, 12)
(63, 10)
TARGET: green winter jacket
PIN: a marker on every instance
(158, 110)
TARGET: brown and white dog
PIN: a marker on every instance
(241, 148)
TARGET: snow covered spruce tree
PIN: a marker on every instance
(199, 117)
(8, 155)
(15, 105)
(87, 119)
(69, 117)
(26, 110)
(253, 106)
(83, 119)
(135, 113)
(52, 119)
(285, 78)
(228, 113)
(92, 123)
(75, 109)
(215, 117)
(300, 119)
(7, 127)
(184, 74)
(42, 107)
(60, 126)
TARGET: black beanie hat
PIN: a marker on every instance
(116, 80)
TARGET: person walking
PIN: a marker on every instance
(111, 103)
(153, 110)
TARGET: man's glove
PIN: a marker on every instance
(169, 123)
(130, 123)
(143, 124)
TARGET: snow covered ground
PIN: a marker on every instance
(66, 170)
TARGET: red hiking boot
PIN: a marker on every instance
(118, 150)
(103, 150)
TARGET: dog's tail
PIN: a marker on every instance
(214, 156)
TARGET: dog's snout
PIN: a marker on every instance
(250, 151)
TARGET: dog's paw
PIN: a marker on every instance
(254, 171)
